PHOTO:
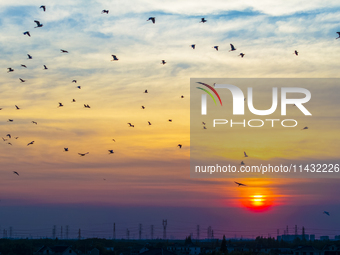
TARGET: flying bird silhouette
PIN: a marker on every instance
(22, 80)
(170, 120)
(203, 20)
(232, 47)
(242, 163)
(110, 151)
(203, 123)
(60, 104)
(45, 67)
(38, 23)
(27, 33)
(75, 81)
(24, 66)
(143, 107)
(240, 184)
(43, 7)
(4, 139)
(216, 47)
(163, 62)
(204, 127)
(304, 128)
(146, 91)
(29, 56)
(153, 19)
(296, 53)
(182, 96)
(324, 212)
(83, 154)
(245, 154)
(9, 144)
(17, 107)
(130, 125)
(9, 135)
(79, 87)
(10, 69)
(86, 106)
(10, 120)
(114, 58)
(30, 143)
(65, 149)
(73, 100)
(34, 122)
(149, 123)
(63, 51)
(114, 140)
(105, 11)
(15, 172)
(193, 46)
(242, 55)
(180, 146)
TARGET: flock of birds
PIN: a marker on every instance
(114, 58)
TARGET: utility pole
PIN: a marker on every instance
(296, 233)
(198, 232)
(127, 234)
(79, 234)
(151, 232)
(114, 231)
(61, 232)
(10, 232)
(287, 231)
(165, 223)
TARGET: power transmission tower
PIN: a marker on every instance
(66, 231)
(10, 232)
(165, 223)
(198, 232)
(54, 231)
(140, 231)
(127, 234)
(61, 232)
(151, 232)
(287, 231)
(209, 232)
(296, 231)
(114, 231)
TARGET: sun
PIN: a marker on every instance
(257, 203)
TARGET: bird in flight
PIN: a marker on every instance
(43, 7)
(45, 67)
(242, 163)
(143, 107)
(27, 33)
(73, 100)
(29, 56)
(203, 20)
(10, 69)
(83, 154)
(149, 123)
(110, 151)
(9, 144)
(163, 62)
(34, 122)
(240, 184)
(105, 11)
(182, 96)
(4, 139)
(63, 51)
(130, 125)
(114, 58)
(216, 47)
(30, 143)
(304, 128)
(86, 106)
(24, 66)
(170, 120)
(153, 19)
(180, 146)
(146, 91)
(296, 53)
(242, 55)
(22, 80)
(9, 135)
(15, 172)
(75, 81)
(60, 105)
(17, 107)
(338, 35)
(114, 140)
(38, 23)
(79, 87)
(204, 127)
(193, 46)
(10, 120)
(327, 213)
(232, 47)
(65, 149)
(245, 154)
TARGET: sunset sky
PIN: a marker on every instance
(147, 179)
